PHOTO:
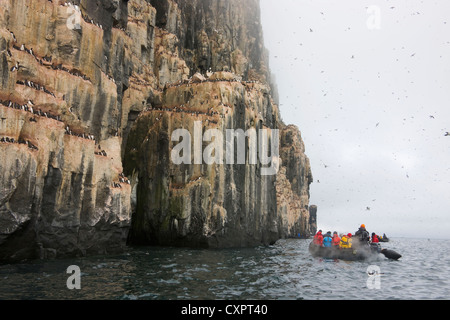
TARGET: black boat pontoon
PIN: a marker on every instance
(356, 253)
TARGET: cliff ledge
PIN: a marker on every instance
(91, 94)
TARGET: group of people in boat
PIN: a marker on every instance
(345, 241)
(358, 246)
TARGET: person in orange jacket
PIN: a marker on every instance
(336, 240)
(318, 238)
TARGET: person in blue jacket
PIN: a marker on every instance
(327, 240)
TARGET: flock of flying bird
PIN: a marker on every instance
(28, 107)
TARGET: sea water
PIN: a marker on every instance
(284, 271)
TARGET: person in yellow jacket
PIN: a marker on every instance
(346, 241)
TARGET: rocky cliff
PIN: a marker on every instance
(91, 94)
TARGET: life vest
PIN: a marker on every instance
(327, 241)
(336, 240)
(318, 239)
(375, 239)
(346, 242)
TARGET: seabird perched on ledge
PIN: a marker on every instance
(17, 67)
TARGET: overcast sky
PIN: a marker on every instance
(370, 92)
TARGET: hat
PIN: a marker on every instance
(363, 226)
(349, 235)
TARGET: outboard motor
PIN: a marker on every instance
(375, 247)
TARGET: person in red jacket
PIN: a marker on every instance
(318, 238)
(374, 238)
(374, 244)
(336, 240)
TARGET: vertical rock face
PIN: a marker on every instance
(91, 95)
(313, 219)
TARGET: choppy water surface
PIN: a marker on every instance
(282, 271)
